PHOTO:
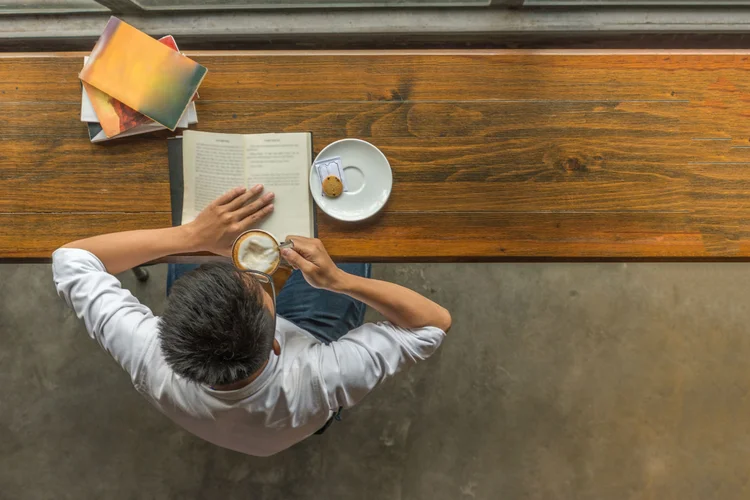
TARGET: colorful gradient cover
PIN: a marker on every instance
(116, 118)
(142, 73)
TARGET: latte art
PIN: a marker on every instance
(256, 251)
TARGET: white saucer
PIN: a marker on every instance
(368, 177)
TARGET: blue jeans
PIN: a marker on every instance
(326, 315)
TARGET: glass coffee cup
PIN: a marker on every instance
(258, 250)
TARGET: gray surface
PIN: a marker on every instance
(558, 381)
(47, 6)
(310, 4)
(414, 22)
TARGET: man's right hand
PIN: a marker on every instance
(401, 306)
(311, 257)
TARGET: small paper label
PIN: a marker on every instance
(330, 166)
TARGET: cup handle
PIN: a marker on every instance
(282, 261)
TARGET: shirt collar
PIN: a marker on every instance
(252, 387)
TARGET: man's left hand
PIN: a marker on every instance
(219, 224)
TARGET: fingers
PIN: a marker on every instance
(297, 261)
(253, 207)
(254, 218)
(229, 196)
(239, 201)
(304, 246)
(298, 241)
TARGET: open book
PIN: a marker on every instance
(215, 163)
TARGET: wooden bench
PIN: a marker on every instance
(497, 155)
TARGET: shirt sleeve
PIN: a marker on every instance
(360, 360)
(124, 327)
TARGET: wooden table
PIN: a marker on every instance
(497, 155)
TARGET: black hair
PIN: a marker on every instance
(216, 329)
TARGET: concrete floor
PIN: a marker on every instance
(558, 381)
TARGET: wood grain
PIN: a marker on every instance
(471, 236)
(34, 236)
(496, 155)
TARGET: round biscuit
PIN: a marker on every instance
(332, 186)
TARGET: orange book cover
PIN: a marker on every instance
(115, 117)
(142, 73)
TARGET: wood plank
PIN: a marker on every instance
(411, 236)
(59, 175)
(621, 121)
(400, 76)
(36, 236)
(469, 236)
(395, 119)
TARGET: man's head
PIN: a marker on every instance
(217, 328)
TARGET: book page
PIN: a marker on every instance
(281, 162)
(212, 165)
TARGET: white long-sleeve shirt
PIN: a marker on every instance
(293, 397)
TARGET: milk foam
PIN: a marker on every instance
(258, 252)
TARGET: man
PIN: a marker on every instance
(221, 362)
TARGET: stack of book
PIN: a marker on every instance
(133, 84)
